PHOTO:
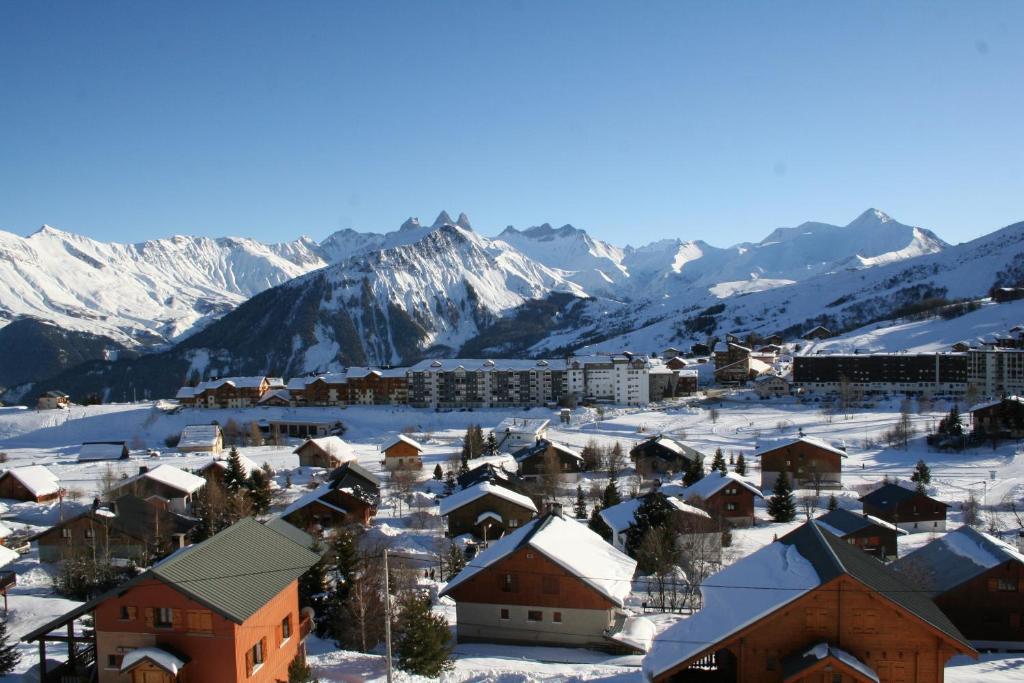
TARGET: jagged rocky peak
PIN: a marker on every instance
(410, 224)
(443, 219)
(463, 222)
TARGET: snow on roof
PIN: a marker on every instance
(199, 435)
(162, 658)
(636, 632)
(841, 522)
(402, 438)
(568, 543)
(169, 475)
(248, 465)
(37, 479)
(485, 365)
(957, 557)
(541, 446)
(488, 515)
(331, 445)
(989, 404)
(5, 530)
(531, 425)
(766, 445)
(113, 450)
(715, 481)
(275, 393)
(735, 597)
(467, 496)
(310, 497)
(7, 556)
(980, 548)
(824, 649)
(619, 517)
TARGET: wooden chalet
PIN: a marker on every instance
(103, 450)
(907, 508)
(338, 502)
(726, 496)
(216, 468)
(676, 363)
(375, 386)
(353, 475)
(978, 581)
(514, 433)
(741, 371)
(127, 529)
(201, 615)
(201, 439)
(808, 608)
(53, 400)
(771, 386)
(486, 511)
(325, 451)
(165, 485)
(662, 455)
(687, 381)
(817, 333)
(811, 462)
(403, 453)
(729, 352)
(279, 398)
(690, 521)
(999, 419)
(531, 460)
(227, 392)
(320, 390)
(872, 535)
(494, 472)
(31, 482)
(551, 582)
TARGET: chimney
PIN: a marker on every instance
(555, 508)
(143, 469)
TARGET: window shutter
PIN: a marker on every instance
(248, 663)
(993, 585)
(133, 613)
(149, 617)
(176, 618)
(278, 635)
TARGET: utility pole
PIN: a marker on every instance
(387, 614)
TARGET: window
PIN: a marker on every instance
(89, 533)
(730, 506)
(513, 523)
(65, 533)
(509, 584)
(199, 621)
(286, 629)
(128, 613)
(255, 657)
(504, 613)
(557, 617)
(865, 621)
(113, 661)
(535, 615)
(1006, 585)
(164, 617)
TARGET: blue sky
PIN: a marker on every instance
(716, 121)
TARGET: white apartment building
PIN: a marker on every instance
(993, 372)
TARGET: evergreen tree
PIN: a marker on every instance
(782, 506)
(581, 503)
(695, 472)
(438, 472)
(922, 475)
(833, 502)
(597, 524)
(209, 507)
(741, 465)
(453, 562)
(313, 582)
(422, 638)
(299, 671)
(346, 563)
(9, 656)
(654, 512)
(611, 493)
(259, 492)
(234, 475)
(718, 462)
(449, 483)
(491, 444)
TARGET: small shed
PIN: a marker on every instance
(103, 450)
(325, 451)
(514, 433)
(33, 482)
(201, 439)
(53, 400)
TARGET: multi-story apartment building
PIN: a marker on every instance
(228, 392)
(911, 373)
(994, 371)
(618, 378)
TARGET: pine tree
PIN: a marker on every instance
(449, 483)
(833, 502)
(259, 492)
(598, 525)
(718, 462)
(346, 564)
(313, 582)
(438, 472)
(581, 503)
(454, 562)
(423, 639)
(9, 655)
(234, 475)
(695, 472)
(782, 506)
(741, 465)
(299, 671)
(491, 444)
(922, 475)
(654, 512)
(611, 493)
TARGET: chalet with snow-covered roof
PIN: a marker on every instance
(690, 521)
(376, 386)
(551, 582)
(771, 386)
(907, 508)
(808, 608)
(496, 471)
(325, 451)
(279, 398)
(741, 371)
(687, 379)
(676, 363)
(201, 439)
(103, 450)
(810, 462)
(352, 475)
(53, 400)
(227, 392)
(31, 482)
(164, 485)
(729, 352)
(532, 459)
(514, 433)
(403, 453)
(127, 529)
(5, 533)
(216, 468)
(188, 618)
(871, 534)
(977, 580)
(487, 511)
(726, 496)
(817, 333)
(332, 505)
(662, 455)
(320, 390)
(1003, 418)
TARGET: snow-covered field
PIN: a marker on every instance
(52, 438)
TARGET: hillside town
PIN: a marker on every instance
(649, 517)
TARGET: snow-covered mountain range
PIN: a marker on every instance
(443, 288)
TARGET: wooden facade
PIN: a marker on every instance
(990, 606)
(1001, 419)
(334, 509)
(807, 463)
(660, 455)
(533, 458)
(403, 455)
(733, 503)
(488, 518)
(908, 509)
(12, 488)
(312, 454)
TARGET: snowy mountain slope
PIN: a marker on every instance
(595, 265)
(841, 300)
(149, 292)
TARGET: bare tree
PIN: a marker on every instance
(972, 511)
(255, 435)
(713, 415)
(809, 503)
(403, 479)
